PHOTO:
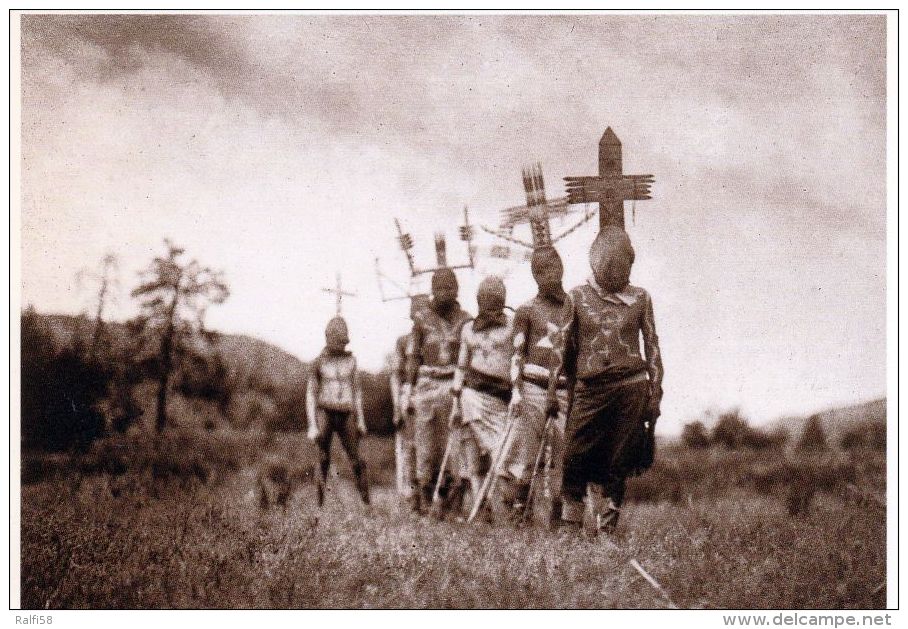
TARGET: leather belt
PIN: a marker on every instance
(439, 373)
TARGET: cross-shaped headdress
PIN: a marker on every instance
(339, 294)
(441, 254)
(536, 213)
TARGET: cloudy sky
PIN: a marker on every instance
(279, 148)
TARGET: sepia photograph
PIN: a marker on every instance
(473, 310)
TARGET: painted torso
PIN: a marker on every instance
(490, 350)
(607, 335)
(540, 320)
(440, 337)
(336, 381)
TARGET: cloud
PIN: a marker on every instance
(280, 147)
(127, 39)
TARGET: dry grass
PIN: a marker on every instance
(207, 544)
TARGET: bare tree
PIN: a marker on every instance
(107, 281)
(174, 297)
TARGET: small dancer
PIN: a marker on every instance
(334, 404)
(404, 448)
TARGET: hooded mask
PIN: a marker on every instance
(490, 298)
(444, 290)
(548, 271)
(336, 335)
(611, 259)
(418, 303)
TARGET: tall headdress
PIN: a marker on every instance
(339, 294)
(405, 240)
(537, 214)
(441, 248)
(611, 187)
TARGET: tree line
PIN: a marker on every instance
(733, 432)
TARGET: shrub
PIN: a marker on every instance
(765, 478)
(179, 456)
(290, 411)
(866, 435)
(813, 436)
(734, 432)
(800, 498)
(731, 430)
(206, 377)
(757, 439)
(61, 391)
(694, 435)
(876, 435)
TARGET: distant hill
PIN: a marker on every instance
(836, 421)
(243, 353)
(255, 355)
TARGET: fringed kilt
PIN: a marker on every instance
(484, 417)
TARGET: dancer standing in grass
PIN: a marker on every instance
(430, 370)
(334, 405)
(617, 389)
(482, 382)
(536, 325)
(405, 457)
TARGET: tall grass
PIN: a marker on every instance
(212, 547)
(178, 524)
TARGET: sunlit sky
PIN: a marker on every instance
(279, 149)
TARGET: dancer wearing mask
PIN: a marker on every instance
(405, 457)
(536, 324)
(334, 404)
(616, 388)
(435, 343)
(482, 382)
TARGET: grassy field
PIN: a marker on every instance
(137, 521)
(161, 537)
